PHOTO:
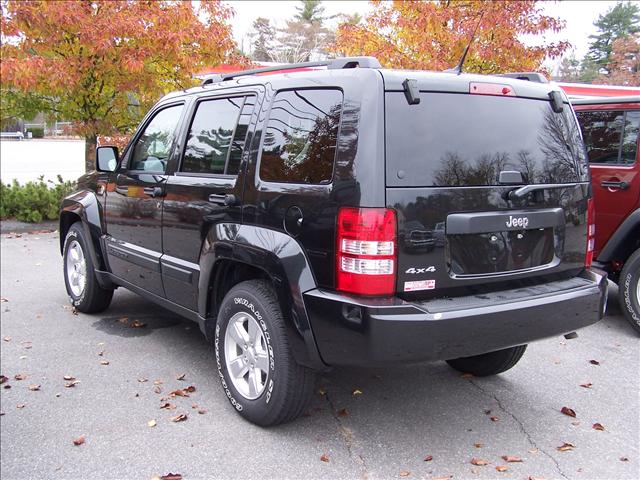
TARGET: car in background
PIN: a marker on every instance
(610, 128)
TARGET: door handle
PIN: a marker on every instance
(153, 191)
(227, 199)
(122, 190)
(614, 184)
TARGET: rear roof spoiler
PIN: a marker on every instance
(529, 76)
(333, 64)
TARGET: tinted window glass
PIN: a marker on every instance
(210, 135)
(460, 140)
(301, 135)
(152, 149)
(602, 131)
(240, 136)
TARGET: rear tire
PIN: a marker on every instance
(491, 363)
(629, 290)
(85, 293)
(257, 370)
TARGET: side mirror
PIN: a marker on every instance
(107, 158)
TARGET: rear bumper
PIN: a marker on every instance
(368, 332)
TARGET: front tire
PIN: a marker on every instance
(85, 293)
(491, 363)
(257, 370)
(629, 290)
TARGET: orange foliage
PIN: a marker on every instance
(433, 35)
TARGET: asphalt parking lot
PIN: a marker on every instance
(127, 360)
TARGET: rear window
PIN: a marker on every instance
(467, 140)
(611, 136)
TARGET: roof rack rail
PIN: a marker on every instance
(530, 76)
(333, 64)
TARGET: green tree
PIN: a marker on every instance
(569, 70)
(621, 20)
(310, 11)
(263, 36)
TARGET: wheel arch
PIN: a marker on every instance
(624, 241)
(233, 253)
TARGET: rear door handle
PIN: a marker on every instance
(153, 191)
(614, 184)
(122, 190)
(227, 199)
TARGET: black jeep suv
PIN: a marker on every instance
(345, 216)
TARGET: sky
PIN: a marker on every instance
(579, 15)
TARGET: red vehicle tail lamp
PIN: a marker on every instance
(366, 251)
(591, 232)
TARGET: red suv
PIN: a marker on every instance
(610, 129)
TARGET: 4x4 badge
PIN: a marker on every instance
(421, 270)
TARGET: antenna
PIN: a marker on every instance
(458, 68)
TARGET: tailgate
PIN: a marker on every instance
(457, 226)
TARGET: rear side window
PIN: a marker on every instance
(216, 136)
(301, 135)
(611, 137)
(453, 139)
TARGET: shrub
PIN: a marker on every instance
(36, 132)
(33, 201)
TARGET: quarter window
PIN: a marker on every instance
(611, 137)
(301, 135)
(152, 149)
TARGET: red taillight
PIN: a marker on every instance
(366, 251)
(591, 232)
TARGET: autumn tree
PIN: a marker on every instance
(624, 64)
(102, 64)
(433, 35)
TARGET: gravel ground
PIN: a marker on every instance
(402, 416)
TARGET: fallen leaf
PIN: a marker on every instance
(534, 478)
(202, 411)
(71, 384)
(566, 446)
(138, 324)
(448, 477)
(20, 405)
(157, 382)
(533, 450)
(356, 392)
(467, 376)
(189, 389)
(101, 353)
(27, 345)
(404, 473)
(74, 311)
(494, 419)
(624, 459)
(7, 386)
(34, 388)
(594, 362)
(502, 468)
(586, 385)
(143, 380)
(322, 392)
(19, 376)
(575, 424)
(7, 338)
(69, 377)
(479, 462)
(168, 406)
(157, 389)
(428, 458)
(181, 376)
(343, 412)
(104, 362)
(151, 423)
(1, 413)
(324, 458)
(598, 426)
(3, 300)
(510, 459)
(79, 441)
(171, 476)
(568, 412)
(478, 445)
(487, 412)
(179, 418)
